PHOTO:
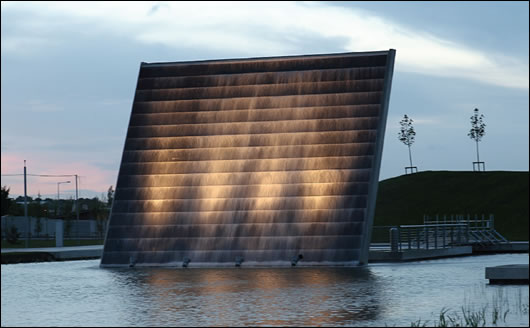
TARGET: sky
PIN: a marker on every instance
(69, 72)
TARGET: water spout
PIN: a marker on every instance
(239, 261)
(132, 261)
(295, 259)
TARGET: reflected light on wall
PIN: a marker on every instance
(256, 159)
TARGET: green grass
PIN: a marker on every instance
(405, 199)
(50, 243)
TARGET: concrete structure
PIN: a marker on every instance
(377, 254)
(59, 237)
(508, 274)
(86, 228)
(261, 161)
(382, 254)
(509, 247)
(61, 253)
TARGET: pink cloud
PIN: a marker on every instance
(91, 176)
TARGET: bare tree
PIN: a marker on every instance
(407, 134)
(477, 128)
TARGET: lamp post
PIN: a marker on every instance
(46, 218)
(26, 207)
(77, 212)
(58, 183)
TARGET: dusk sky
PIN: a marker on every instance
(69, 72)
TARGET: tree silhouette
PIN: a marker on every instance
(407, 134)
(110, 197)
(477, 128)
(6, 201)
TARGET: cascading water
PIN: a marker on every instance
(251, 162)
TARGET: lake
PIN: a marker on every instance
(79, 293)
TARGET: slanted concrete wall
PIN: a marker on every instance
(256, 161)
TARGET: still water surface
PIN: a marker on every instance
(79, 293)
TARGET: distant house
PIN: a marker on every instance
(20, 200)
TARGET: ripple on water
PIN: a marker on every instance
(80, 293)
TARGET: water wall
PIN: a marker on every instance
(262, 161)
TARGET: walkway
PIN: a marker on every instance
(62, 253)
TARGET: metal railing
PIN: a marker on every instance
(439, 231)
(424, 236)
(481, 229)
(436, 236)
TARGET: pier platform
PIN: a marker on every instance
(386, 255)
(22, 255)
(508, 274)
(511, 247)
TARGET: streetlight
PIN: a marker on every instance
(46, 217)
(58, 183)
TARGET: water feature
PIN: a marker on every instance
(259, 160)
(80, 293)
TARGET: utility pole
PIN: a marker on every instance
(26, 206)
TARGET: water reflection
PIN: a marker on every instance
(79, 293)
(252, 296)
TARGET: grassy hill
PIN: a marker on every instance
(405, 199)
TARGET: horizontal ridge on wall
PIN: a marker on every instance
(235, 191)
(182, 130)
(253, 165)
(252, 140)
(214, 257)
(231, 230)
(233, 243)
(258, 66)
(265, 152)
(254, 115)
(219, 104)
(240, 217)
(264, 90)
(223, 204)
(239, 79)
(243, 178)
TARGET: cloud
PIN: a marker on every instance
(22, 44)
(114, 102)
(39, 106)
(265, 28)
(427, 121)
